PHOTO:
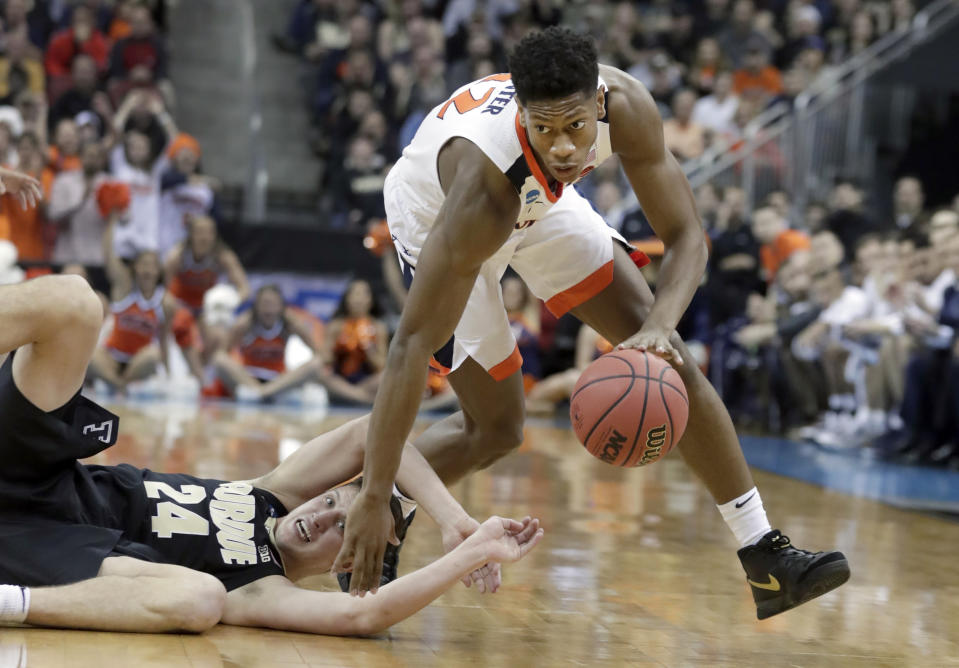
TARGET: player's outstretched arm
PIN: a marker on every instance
(476, 218)
(275, 602)
(636, 132)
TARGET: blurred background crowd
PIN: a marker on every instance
(828, 319)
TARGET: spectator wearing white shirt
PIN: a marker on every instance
(73, 208)
(716, 111)
(135, 163)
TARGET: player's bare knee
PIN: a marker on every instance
(78, 302)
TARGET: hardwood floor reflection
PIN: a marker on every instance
(636, 568)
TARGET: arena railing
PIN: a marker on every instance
(803, 149)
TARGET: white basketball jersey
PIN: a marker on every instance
(485, 113)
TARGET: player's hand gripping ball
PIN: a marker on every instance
(629, 408)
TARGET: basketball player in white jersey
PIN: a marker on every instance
(486, 183)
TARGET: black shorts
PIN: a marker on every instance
(56, 525)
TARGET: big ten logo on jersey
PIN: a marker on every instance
(465, 101)
(232, 511)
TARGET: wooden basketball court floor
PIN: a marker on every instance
(636, 568)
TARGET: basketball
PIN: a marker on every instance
(629, 408)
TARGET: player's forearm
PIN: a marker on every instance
(417, 479)
(680, 275)
(397, 401)
(411, 593)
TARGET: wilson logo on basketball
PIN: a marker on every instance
(655, 439)
(612, 447)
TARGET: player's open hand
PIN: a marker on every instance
(488, 577)
(653, 340)
(25, 188)
(506, 540)
(369, 525)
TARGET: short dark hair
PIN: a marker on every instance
(554, 63)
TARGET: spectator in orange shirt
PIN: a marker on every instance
(65, 152)
(778, 241)
(81, 37)
(757, 79)
(26, 225)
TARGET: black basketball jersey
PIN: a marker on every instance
(59, 519)
(215, 526)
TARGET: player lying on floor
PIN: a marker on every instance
(125, 549)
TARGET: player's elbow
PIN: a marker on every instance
(200, 607)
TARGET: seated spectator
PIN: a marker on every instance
(683, 136)
(143, 314)
(739, 36)
(358, 186)
(301, 27)
(27, 224)
(197, 263)
(757, 79)
(139, 58)
(356, 339)
(64, 155)
(943, 224)
(253, 365)
(184, 192)
(522, 312)
(19, 70)
(706, 66)
(734, 269)
(82, 94)
(73, 209)
(716, 111)
(909, 201)
(847, 218)
(30, 18)
(804, 24)
(777, 241)
(82, 37)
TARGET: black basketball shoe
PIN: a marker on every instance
(391, 556)
(782, 576)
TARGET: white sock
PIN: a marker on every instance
(14, 604)
(746, 517)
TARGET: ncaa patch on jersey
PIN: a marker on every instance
(531, 196)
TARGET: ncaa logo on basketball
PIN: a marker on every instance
(655, 439)
(531, 196)
(613, 445)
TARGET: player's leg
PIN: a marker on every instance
(53, 322)
(132, 595)
(143, 364)
(105, 367)
(489, 426)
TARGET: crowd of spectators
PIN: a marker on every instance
(375, 67)
(86, 108)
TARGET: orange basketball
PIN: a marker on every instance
(629, 408)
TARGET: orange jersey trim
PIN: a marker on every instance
(534, 165)
(507, 367)
(587, 288)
